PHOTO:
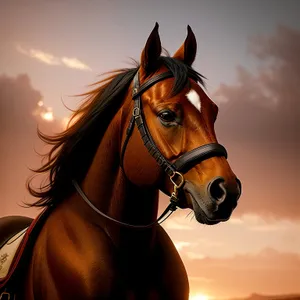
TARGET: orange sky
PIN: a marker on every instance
(258, 250)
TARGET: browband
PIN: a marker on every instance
(138, 89)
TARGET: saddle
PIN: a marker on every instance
(17, 238)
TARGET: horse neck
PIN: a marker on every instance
(111, 192)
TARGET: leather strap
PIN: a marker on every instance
(193, 157)
(171, 208)
(138, 89)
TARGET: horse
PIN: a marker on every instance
(140, 131)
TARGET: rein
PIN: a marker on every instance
(174, 170)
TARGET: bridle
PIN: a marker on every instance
(174, 170)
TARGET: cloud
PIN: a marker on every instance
(194, 255)
(50, 59)
(181, 244)
(236, 221)
(209, 242)
(264, 105)
(75, 63)
(242, 275)
(177, 223)
(44, 57)
(21, 110)
(259, 125)
(266, 228)
(257, 223)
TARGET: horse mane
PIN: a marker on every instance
(73, 149)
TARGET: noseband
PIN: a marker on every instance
(174, 170)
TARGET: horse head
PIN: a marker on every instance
(175, 121)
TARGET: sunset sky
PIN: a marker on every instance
(248, 50)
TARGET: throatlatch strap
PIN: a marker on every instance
(170, 209)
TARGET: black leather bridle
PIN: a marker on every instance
(174, 170)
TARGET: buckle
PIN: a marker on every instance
(136, 112)
(134, 92)
(174, 197)
(177, 186)
(5, 296)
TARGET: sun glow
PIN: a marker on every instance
(46, 113)
(199, 297)
(48, 116)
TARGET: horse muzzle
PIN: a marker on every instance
(213, 203)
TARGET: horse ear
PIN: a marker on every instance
(187, 51)
(152, 51)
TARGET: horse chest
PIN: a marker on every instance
(98, 271)
(146, 279)
(158, 274)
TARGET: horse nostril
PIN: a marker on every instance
(216, 190)
(239, 188)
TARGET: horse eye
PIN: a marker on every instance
(167, 116)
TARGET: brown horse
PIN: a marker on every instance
(143, 130)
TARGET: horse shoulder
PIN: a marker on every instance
(72, 262)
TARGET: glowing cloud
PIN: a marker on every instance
(44, 57)
(257, 223)
(195, 255)
(181, 244)
(52, 60)
(75, 63)
(177, 224)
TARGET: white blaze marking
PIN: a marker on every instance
(194, 98)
